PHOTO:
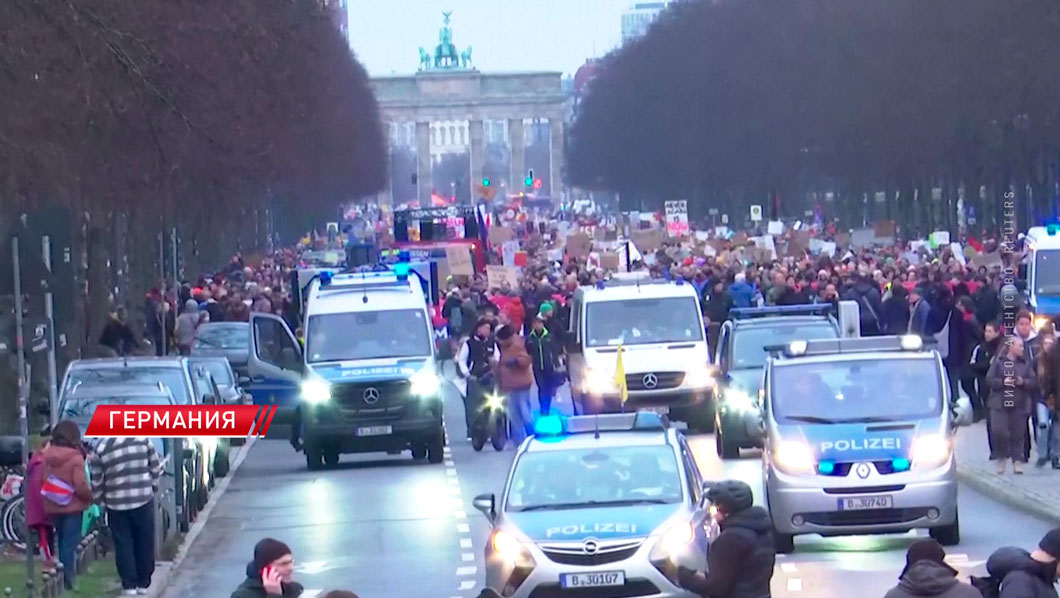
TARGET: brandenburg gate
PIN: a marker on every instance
(447, 88)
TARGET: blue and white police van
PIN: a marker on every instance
(1043, 273)
(367, 379)
(605, 505)
(859, 439)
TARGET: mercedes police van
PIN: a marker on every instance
(1043, 273)
(739, 359)
(367, 379)
(605, 505)
(859, 439)
(660, 328)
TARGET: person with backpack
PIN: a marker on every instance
(926, 574)
(66, 492)
(1016, 573)
(867, 295)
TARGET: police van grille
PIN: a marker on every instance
(350, 396)
(574, 554)
(666, 380)
(866, 517)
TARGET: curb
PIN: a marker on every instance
(165, 572)
(1000, 490)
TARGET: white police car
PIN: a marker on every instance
(859, 439)
(607, 504)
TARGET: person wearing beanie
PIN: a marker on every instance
(742, 557)
(927, 574)
(269, 573)
(1023, 574)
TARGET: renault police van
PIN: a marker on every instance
(601, 505)
(367, 379)
(659, 326)
(859, 439)
(1043, 273)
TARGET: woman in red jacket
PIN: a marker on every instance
(66, 492)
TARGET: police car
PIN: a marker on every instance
(367, 380)
(739, 359)
(660, 328)
(607, 504)
(1043, 273)
(859, 439)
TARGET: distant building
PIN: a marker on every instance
(336, 9)
(638, 19)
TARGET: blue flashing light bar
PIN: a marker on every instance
(401, 270)
(900, 464)
(826, 467)
(325, 278)
(741, 313)
(549, 425)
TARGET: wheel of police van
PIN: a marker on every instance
(499, 437)
(331, 458)
(948, 535)
(314, 460)
(783, 543)
(436, 448)
(221, 463)
(726, 448)
(419, 451)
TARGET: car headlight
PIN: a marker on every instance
(511, 550)
(425, 383)
(494, 401)
(738, 400)
(598, 382)
(930, 451)
(700, 378)
(677, 539)
(1040, 322)
(316, 390)
(794, 457)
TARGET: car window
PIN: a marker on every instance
(222, 337)
(170, 377)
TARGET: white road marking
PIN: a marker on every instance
(450, 464)
(463, 528)
(311, 593)
(466, 571)
(460, 514)
(468, 557)
(450, 472)
(788, 568)
(795, 584)
(467, 585)
(312, 567)
(465, 543)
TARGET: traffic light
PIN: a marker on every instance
(529, 178)
(485, 182)
(537, 183)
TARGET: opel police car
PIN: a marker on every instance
(367, 379)
(608, 505)
(859, 439)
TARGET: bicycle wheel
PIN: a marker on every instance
(13, 518)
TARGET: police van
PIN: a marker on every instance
(659, 326)
(367, 379)
(1043, 273)
(859, 439)
(605, 505)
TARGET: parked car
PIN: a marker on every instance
(230, 340)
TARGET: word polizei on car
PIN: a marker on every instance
(859, 439)
(604, 505)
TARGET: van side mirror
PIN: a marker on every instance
(486, 503)
(244, 381)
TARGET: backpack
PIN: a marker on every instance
(55, 490)
(989, 587)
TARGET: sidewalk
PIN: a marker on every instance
(1037, 491)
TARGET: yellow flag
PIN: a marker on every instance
(620, 377)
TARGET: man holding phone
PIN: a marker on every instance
(270, 573)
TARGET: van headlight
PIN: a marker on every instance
(316, 390)
(930, 450)
(794, 457)
(738, 400)
(425, 383)
(598, 382)
(700, 378)
(674, 541)
(511, 550)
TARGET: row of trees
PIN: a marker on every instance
(730, 102)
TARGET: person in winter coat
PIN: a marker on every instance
(1028, 574)
(867, 295)
(927, 574)
(269, 573)
(545, 356)
(717, 304)
(919, 312)
(982, 357)
(742, 557)
(896, 311)
(515, 376)
(66, 492)
(36, 517)
(187, 325)
(1013, 392)
(742, 293)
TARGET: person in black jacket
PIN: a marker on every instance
(544, 354)
(741, 559)
(982, 355)
(867, 294)
(117, 336)
(1025, 574)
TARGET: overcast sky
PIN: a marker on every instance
(507, 35)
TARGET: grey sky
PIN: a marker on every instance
(508, 35)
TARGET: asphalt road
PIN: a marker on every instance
(391, 526)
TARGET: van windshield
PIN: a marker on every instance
(367, 335)
(642, 321)
(849, 391)
(1047, 272)
(748, 344)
